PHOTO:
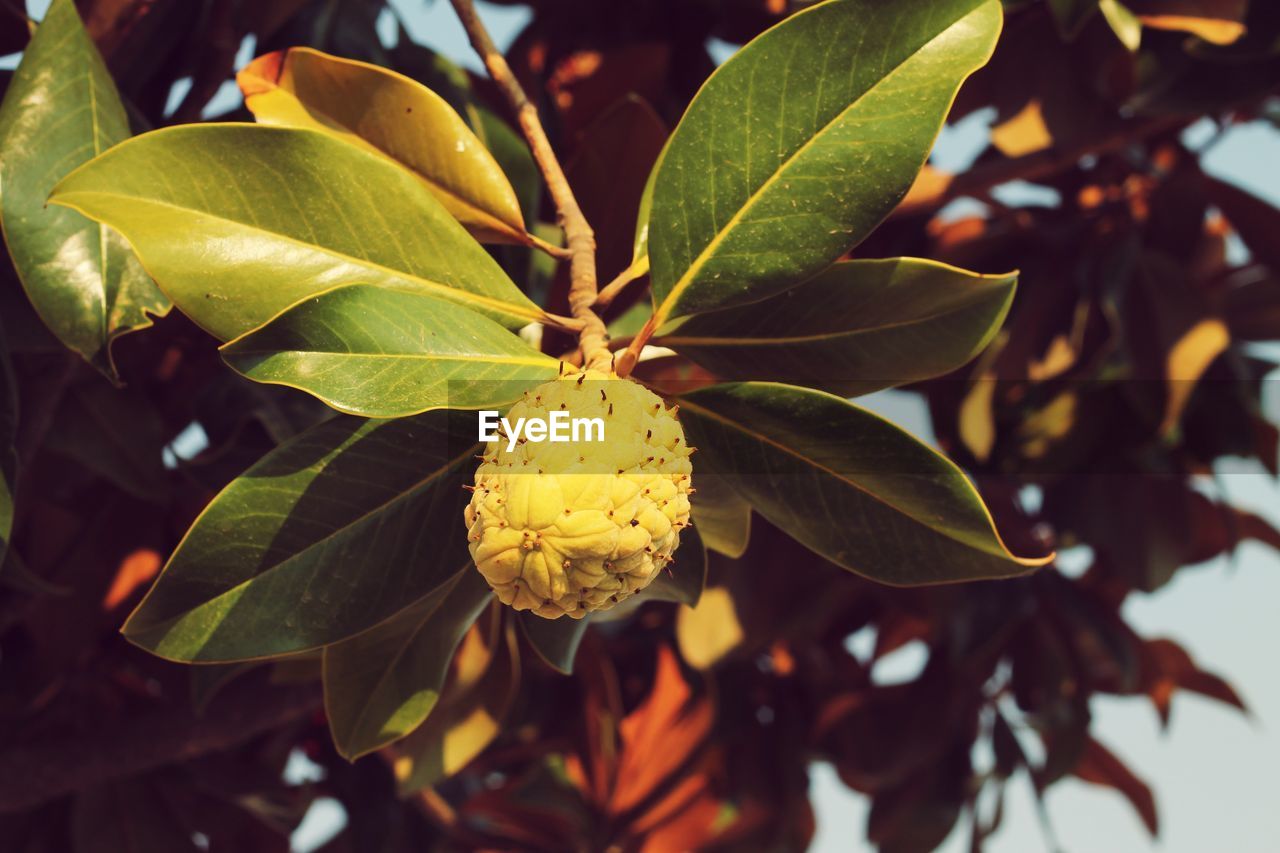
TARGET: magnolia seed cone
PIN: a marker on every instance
(570, 528)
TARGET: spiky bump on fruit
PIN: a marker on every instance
(569, 528)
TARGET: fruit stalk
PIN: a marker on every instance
(593, 337)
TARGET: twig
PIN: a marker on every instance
(636, 271)
(550, 248)
(631, 355)
(566, 324)
(578, 234)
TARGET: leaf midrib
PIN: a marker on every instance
(675, 341)
(404, 494)
(463, 357)
(684, 402)
(686, 279)
(67, 199)
(481, 217)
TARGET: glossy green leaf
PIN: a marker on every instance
(556, 641)
(686, 575)
(856, 328)
(395, 116)
(60, 110)
(530, 269)
(512, 154)
(850, 486)
(383, 353)
(331, 533)
(381, 684)
(803, 142)
(721, 515)
(238, 221)
(640, 245)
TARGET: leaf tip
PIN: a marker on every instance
(262, 74)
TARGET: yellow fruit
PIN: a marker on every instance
(568, 528)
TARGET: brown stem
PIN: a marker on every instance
(610, 291)
(626, 362)
(566, 324)
(551, 249)
(581, 240)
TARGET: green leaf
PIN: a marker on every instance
(395, 116)
(856, 328)
(60, 110)
(385, 353)
(331, 533)
(218, 211)
(482, 686)
(512, 154)
(640, 245)
(850, 486)
(556, 641)
(721, 516)
(800, 144)
(380, 685)
(686, 575)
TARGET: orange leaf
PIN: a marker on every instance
(692, 830)
(1216, 21)
(135, 570)
(659, 736)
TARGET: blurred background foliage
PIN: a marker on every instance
(1128, 373)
